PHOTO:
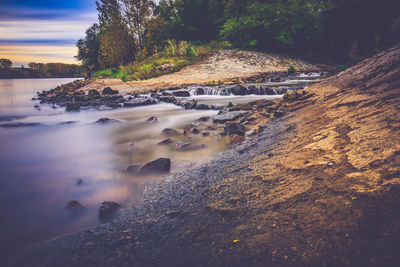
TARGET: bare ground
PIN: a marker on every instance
(317, 187)
(218, 66)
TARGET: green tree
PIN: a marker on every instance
(117, 47)
(137, 14)
(88, 48)
(5, 63)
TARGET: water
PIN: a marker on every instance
(43, 154)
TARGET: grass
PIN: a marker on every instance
(173, 58)
(149, 68)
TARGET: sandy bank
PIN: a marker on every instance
(219, 66)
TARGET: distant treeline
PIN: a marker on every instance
(40, 70)
(130, 30)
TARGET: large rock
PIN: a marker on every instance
(239, 90)
(109, 91)
(181, 93)
(158, 166)
(107, 211)
(230, 116)
(203, 107)
(235, 128)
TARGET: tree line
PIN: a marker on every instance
(40, 70)
(129, 30)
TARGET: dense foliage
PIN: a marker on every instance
(40, 70)
(131, 30)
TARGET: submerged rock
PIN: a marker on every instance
(74, 207)
(230, 116)
(187, 146)
(106, 121)
(169, 132)
(165, 142)
(136, 102)
(158, 166)
(107, 211)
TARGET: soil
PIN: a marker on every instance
(319, 186)
(218, 66)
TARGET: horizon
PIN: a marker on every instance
(43, 31)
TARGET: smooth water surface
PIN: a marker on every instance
(45, 151)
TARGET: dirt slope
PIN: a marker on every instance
(219, 66)
(317, 187)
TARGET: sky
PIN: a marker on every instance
(43, 30)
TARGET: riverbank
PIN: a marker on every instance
(318, 186)
(218, 68)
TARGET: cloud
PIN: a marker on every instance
(24, 32)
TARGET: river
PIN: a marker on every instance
(49, 157)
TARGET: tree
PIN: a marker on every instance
(137, 13)
(5, 63)
(88, 49)
(117, 47)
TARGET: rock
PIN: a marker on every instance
(109, 91)
(230, 116)
(181, 93)
(203, 107)
(239, 90)
(93, 92)
(74, 207)
(165, 142)
(166, 93)
(195, 131)
(167, 99)
(188, 104)
(235, 139)
(235, 128)
(140, 102)
(107, 211)
(270, 91)
(229, 105)
(79, 182)
(152, 119)
(186, 146)
(199, 91)
(170, 132)
(73, 106)
(106, 121)
(253, 90)
(204, 118)
(280, 91)
(206, 134)
(133, 168)
(158, 166)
